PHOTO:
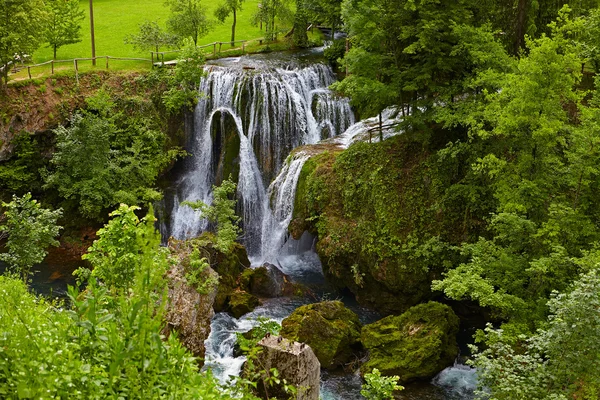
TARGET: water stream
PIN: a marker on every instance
(252, 112)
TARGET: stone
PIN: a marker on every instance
(415, 345)
(189, 313)
(266, 281)
(295, 362)
(241, 302)
(329, 328)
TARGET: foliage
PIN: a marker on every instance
(327, 12)
(31, 229)
(197, 276)
(544, 215)
(123, 155)
(379, 387)
(268, 11)
(22, 24)
(335, 52)
(183, 83)
(222, 213)
(557, 362)
(64, 23)
(151, 37)
(226, 8)
(20, 173)
(248, 340)
(107, 345)
(119, 250)
(188, 19)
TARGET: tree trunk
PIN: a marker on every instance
(380, 128)
(233, 27)
(521, 25)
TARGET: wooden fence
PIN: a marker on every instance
(156, 58)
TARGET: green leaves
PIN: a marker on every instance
(31, 229)
(379, 387)
(64, 23)
(222, 213)
(151, 37)
(105, 158)
(188, 19)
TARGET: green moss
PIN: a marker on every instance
(415, 345)
(241, 303)
(330, 329)
(379, 213)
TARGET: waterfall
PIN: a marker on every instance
(246, 123)
(282, 193)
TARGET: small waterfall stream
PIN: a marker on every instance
(250, 115)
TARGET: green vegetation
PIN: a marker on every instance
(122, 155)
(21, 22)
(30, 230)
(108, 344)
(379, 387)
(64, 23)
(151, 37)
(222, 213)
(247, 341)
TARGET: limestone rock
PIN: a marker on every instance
(329, 328)
(295, 362)
(415, 345)
(241, 303)
(189, 313)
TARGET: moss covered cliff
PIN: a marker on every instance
(385, 219)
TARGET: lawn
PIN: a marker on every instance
(114, 19)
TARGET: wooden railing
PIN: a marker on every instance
(156, 57)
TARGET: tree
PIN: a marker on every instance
(64, 23)
(188, 19)
(30, 229)
(222, 213)
(225, 9)
(151, 37)
(324, 11)
(183, 83)
(22, 24)
(560, 361)
(119, 252)
(266, 13)
(105, 158)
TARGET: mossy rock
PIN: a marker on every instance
(386, 227)
(415, 345)
(329, 328)
(241, 303)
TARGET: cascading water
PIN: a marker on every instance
(270, 112)
(247, 122)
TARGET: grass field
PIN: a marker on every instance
(114, 19)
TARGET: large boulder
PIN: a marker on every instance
(266, 281)
(295, 362)
(189, 312)
(415, 345)
(241, 303)
(329, 328)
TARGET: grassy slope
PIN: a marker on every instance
(114, 19)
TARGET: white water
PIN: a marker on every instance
(274, 110)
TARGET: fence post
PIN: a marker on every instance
(106, 62)
(29, 71)
(152, 58)
(214, 48)
(52, 63)
(220, 44)
(244, 47)
(76, 71)
(163, 59)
